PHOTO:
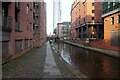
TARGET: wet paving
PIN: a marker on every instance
(90, 63)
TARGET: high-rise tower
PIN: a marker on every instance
(56, 13)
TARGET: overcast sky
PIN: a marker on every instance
(65, 7)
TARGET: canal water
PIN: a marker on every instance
(90, 63)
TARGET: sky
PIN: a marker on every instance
(65, 15)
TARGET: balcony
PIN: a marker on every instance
(35, 31)
(6, 3)
(36, 3)
(17, 6)
(35, 21)
(17, 26)
(7, 23)
(36, 25)
(36, 14)
(36, 11)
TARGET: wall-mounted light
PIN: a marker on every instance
(106, 19)
(116, 26)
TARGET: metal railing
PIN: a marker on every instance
(7, 23)
(36, 11)
(35, 21)
(36, 3)
(17, 26)
(17, 5)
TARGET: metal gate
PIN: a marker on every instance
(115, 38)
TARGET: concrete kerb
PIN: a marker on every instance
(106, 52)
(51, 69)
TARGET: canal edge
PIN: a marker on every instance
(106, 52)
(72, 70)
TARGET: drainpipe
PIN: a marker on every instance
(87, 31)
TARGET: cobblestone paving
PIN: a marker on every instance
(30, 65)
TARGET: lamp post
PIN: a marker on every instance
(93, 33)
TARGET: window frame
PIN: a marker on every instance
(27, 8)
(93, 11)
(112, 20)
(93, 18)
(118, 19)
(93, 4)
(25, 43)
(18, 46)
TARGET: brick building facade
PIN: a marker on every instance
(107, 11)
(39, 25)
(111, 15)
(63, 30)
(43, 22)
(17, 29)
(86, 20)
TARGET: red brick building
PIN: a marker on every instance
(107, 10)
(59, 29)
(111, 15)
(18, 31)
(63, 30)
(43, 34)
(39, 25)
(86, 20)
(111, 22)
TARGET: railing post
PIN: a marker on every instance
(9, 24)
(6, 23)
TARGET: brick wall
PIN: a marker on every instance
(103, 44)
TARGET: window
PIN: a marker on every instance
(92, 3)
(108, 4)
(31, 44)
(114, 2)
(112, 20)
(27, 24)
(102, 19)
(84, 6)
(92, 18)
(26, 44)
(30, 26)
(27, 8)
(5, 48)
(4, 10)
(30, 11)
(84, 19)
(18, 46)
(62, 28)
(118, 18)
(92, 11)
(79, 22)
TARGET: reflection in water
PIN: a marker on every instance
(66, 56)
(90, 63)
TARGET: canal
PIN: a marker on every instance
(90, 63)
